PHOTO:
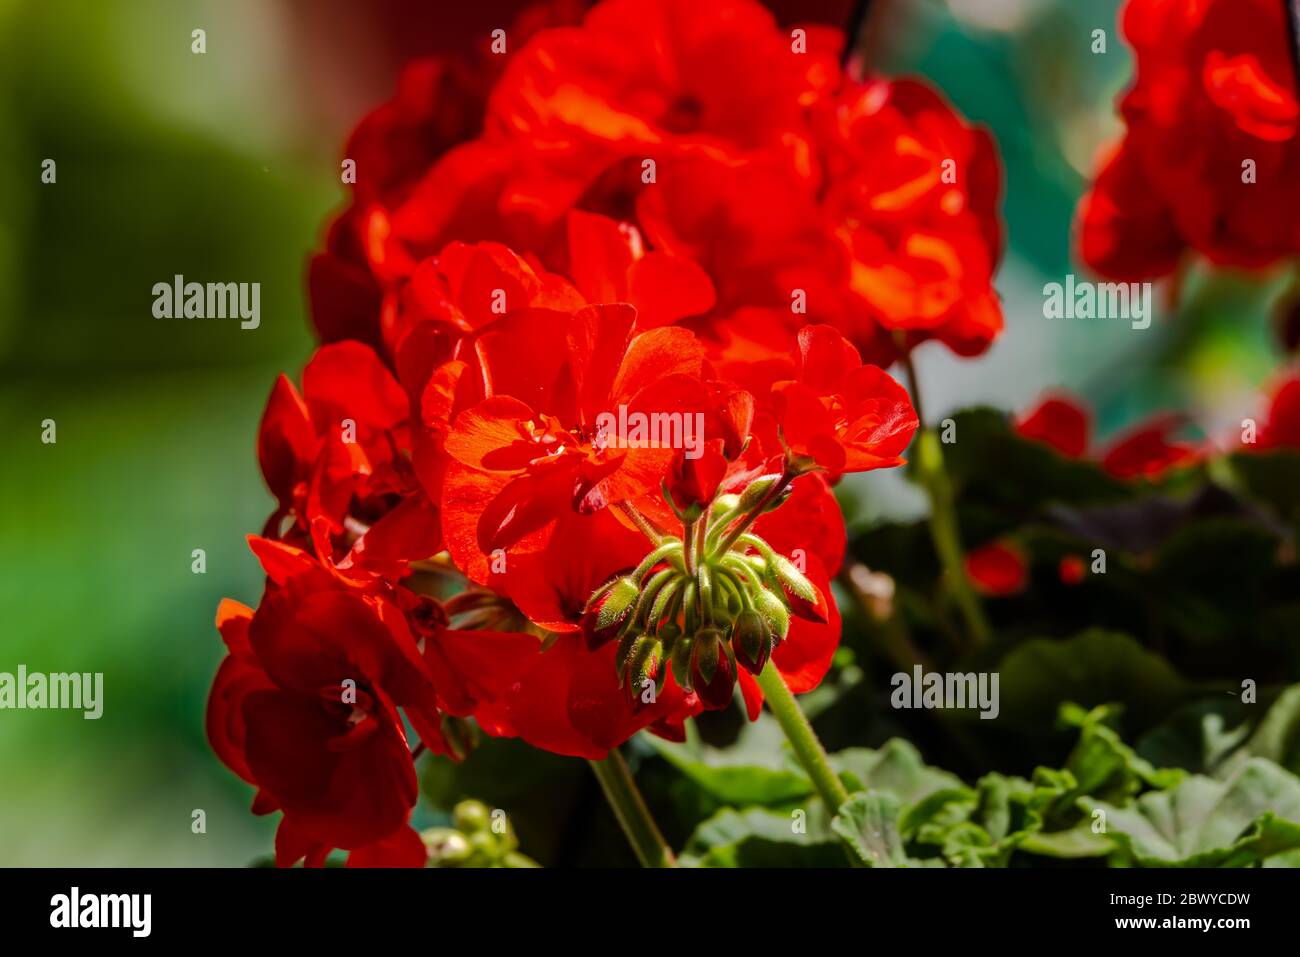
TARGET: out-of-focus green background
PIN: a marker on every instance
(224, 167)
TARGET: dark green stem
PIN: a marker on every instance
(944, 531)
(633, 816)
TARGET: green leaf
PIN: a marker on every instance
(756, 769)
(760, 837)
(868, 822)
(1094, 667)
(895, 768)
(1076, 842)
(1102, 765)
(1208, 823)
(1217, 736)
(1199, 736)
(1272, 476)
(1213, 575)
(1277, 737)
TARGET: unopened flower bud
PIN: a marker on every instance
(693, 479)
(680, 652)
(446, 846)
(806, 600)
(756, 491)
(774, 613)
(623, 654)
(815, 611)
(471, 816)
(668, 632)
(713, 671)
(607, 611)
(751, 640)
(645, 662)
(726, 503)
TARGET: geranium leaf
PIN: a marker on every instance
(760, 837)
(868, 822)
(1207, 823)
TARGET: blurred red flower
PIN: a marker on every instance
(1210, 154)
(1147, 450)
(997, 569)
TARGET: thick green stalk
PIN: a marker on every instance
(633, 816)
(803, 739)
(946, 535)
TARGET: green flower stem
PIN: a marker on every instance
(778, 487)
(633, 816)
(928, 461)
(803, 739)
(647, 527)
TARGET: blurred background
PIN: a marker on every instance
(224, 167)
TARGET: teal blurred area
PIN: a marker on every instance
(224, 167)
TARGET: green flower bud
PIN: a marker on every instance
(607, 611)
(793, 579)
(645, 662)
(659, 609)
(623, 654)
(713, 669)
(447, 847)
(483, 848)
(774, 612)
(471, 816)
(756, 491)
(681, 660)
(751, 640)
(704, 658)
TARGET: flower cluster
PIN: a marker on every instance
(602, 325)
(1210, 155)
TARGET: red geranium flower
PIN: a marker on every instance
(1147, 450)
(912, 191)
(1060, 422)
(550, 439)
(336, 459)
(305, 706)
(1214, 92)
(643, 80)
(1281, 427)
(842, 415)
(997, 569)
